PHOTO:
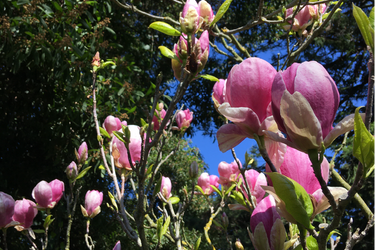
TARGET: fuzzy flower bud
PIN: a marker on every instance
(96, 60)
(224, 220)
(190, 20)
(205, 11)
(82, 153)
(193, 170)
(71, 171)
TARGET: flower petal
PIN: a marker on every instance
(228, 136)
(302, 126)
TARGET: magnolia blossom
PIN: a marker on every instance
(205, 180)
(247, 103)
(255, 181)
(228, 172)
(82, 152)
(166, 187)
(24, 212)
(120, 153)
(184, 118)
(297, 166)
(111, 124)
(268, 232)
(6, 210)
(304, 104)
(117, 246)
(93, 200)
(218, 93)
(190, 20)
(301, 20)
(159, 116)
(205, 12)
(48, 194)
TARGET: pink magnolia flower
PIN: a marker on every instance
(205, 180)
(268, 230)
(255, 180)
(166, 187)
(71, 171)
(205, 11)
(218, 95)
(120, 153)
(190, 20)
(117, 246)
(228, 172)
(48, 194)
(301, 20)
(111, 124)
(315, 9)
(184, 118)
(24, 212)
(82, 152)
(159, 116)
(297, 166)
(6, 210)
(247, 102)
(93, 200)
(304, 104)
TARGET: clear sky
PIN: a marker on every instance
(213, 156)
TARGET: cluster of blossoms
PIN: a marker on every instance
(305, 16)
(301, 102)
(194, 15)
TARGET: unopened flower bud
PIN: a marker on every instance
(193, 170)
(225, 220)
(71, 171)
(96, 60)
(189, 18)
(238, 245)
(82, 153)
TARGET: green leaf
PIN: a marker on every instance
(165, 28)
(38, 231)
(297, 200)
(238, 197)
(22, 2)
(223, 8)
(363, 23)
(113, 200)
(363, 144)
(119, 135)
(83, 172)
(216, 190)
(158, 186)
(57, 6)
(104, 132)
(174, 200)
(159, 227)
(110, 30)
(48, 221)
(230, 189)
(311, 243)
(199, 189)
(165, 226)
(217, 224)
(209, 77)
(371, 18)
(149, 169)
(197, 243)
(168, 53)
